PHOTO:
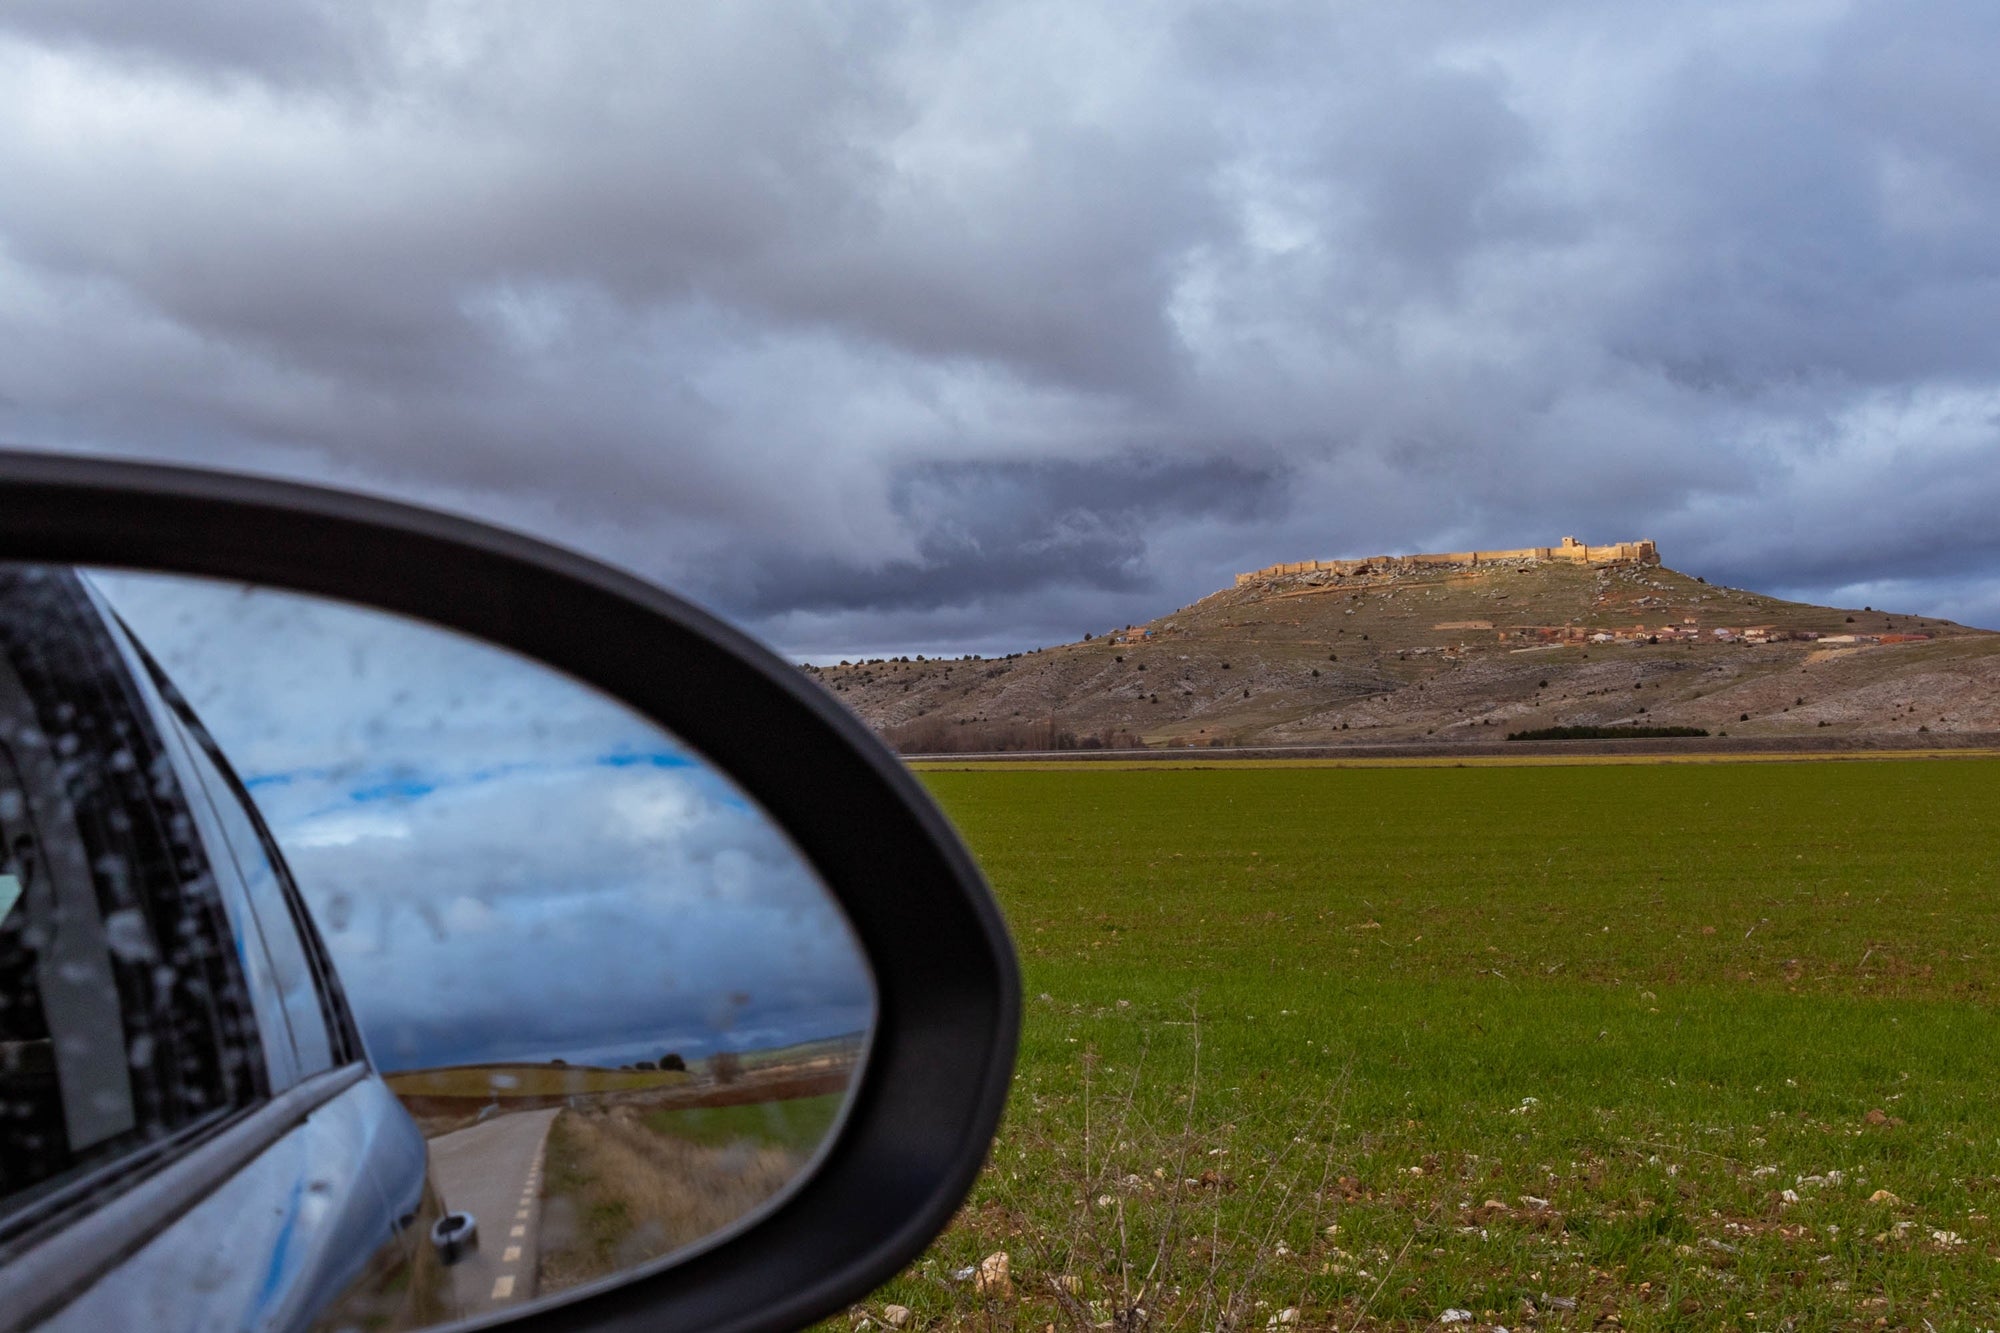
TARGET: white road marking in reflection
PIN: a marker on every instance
(513, 1254)
(503, 1287)
(518, 1231)
(521, 1215)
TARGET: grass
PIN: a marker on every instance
(1550, 1045)
(1610, 733)
(797, 1125)
(622, 1188)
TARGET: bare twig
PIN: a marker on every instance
(1171, 1229)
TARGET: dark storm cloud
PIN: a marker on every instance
(857, 323)
(995, 529)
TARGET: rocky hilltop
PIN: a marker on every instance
(1460, 647)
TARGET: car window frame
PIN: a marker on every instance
(101, 682)
(343, 1032)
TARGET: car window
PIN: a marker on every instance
(67, 1087)
(292, 972)
(124, 1021)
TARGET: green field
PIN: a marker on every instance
(497, 1081)
(1545, 1044)
(798, 1125)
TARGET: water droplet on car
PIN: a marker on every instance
(125, 931)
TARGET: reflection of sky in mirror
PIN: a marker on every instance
(504, 863)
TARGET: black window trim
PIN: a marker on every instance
(282, 1065)
(342, 1032)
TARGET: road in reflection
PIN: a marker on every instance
(577, 1172)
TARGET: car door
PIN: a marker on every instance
(169, 1035)
(128, 1036)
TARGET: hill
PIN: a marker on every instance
(1463, 647)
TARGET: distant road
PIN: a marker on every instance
(1804, 746)
(493, 1170)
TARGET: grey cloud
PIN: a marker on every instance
(1811, 222)
(856, 323)
(1872, 509)
(299, 42)
(988, 530)
(1433, 172)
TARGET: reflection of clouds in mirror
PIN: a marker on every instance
(505, 864)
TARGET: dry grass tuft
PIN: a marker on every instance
(620, 1194)
(1131, 1206)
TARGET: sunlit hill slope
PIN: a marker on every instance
(1435, 650)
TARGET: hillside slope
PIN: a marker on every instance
(1449, 652)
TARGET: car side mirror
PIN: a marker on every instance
(656, 887)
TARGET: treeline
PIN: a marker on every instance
(1602, 733)
(944, 736)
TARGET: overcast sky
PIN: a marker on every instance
(952, 327)
(504, 864)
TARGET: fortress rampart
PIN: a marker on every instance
(1570, 550)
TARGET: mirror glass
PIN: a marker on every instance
(404, 917)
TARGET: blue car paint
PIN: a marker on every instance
(280, 1240)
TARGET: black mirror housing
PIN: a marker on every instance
(948, 991)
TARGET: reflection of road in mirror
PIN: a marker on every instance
(623, 1010)
(576, 1172)
(492, 1170)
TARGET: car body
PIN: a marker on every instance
(191, 1132)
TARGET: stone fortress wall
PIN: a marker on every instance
(1571, 550)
